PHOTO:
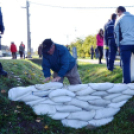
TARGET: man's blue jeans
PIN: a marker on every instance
(126, 52)
(111, 54)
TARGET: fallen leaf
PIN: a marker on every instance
(3, 91)
(18, 107)
(38, 120)
(25, 73)
(46, 127)
(16, 111)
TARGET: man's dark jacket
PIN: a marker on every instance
(61, 61)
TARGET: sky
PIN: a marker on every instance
(60, 24)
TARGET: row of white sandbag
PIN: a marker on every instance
(95, 86)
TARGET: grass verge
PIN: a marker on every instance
(17, 118)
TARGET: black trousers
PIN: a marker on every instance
(14, 55)
(112, 54)
(100, 48)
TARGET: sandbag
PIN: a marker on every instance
(128, 92)
(48, 101)
(131, 86)
(86, 91)
(79, 103)
(82, 115)
(61, 92)
(121, 98)
(61, 99)
(32, 103)
(111, 96)
(117, 105)
(42, 109)
(99, 93)
(101, 122)
(20, 91)
(30, 98)
(50, 85)
(92, 107)
(78, 87)
(88, 98)
(68, 108)
(101, 86)
(74, 123)
(59, 116)
(105, 113)
(42, 93)
(117, 88)
(99, 102)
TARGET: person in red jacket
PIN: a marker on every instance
(13, 49)
(99, 39)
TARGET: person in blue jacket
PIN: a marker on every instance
(58, 59)
(110, 42)
(2, 28)
(2, 72)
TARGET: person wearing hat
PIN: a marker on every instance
(57, 58)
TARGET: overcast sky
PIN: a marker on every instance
(61, 25)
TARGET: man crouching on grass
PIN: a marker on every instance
(57, 58)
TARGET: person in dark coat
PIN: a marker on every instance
(2, 28)
(40, 50)
(2, 72)
(57, 58)
(96, 53)
(21, 50)
(24, 49)
(110, 42)
(92, 52)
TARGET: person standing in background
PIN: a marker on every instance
(99, 39)
(92, 52)
(24, 49)
(96, 53)
(124, 38)
(21, 51)
(68, 47)
(13, 50)
(40, 50)
(110, 42)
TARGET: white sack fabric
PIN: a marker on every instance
(51, 85)
(101, 86)
(78, 87)
(74, 123)
(82, 115)
(101, 122)
(61, 92)
(77, 106)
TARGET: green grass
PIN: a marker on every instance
(17, 118)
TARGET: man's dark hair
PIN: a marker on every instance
(113, 16)
(121, 8)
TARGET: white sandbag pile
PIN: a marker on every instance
(77, 106)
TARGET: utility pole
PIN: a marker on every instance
(28, 31)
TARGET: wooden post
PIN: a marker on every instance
(75, 53)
